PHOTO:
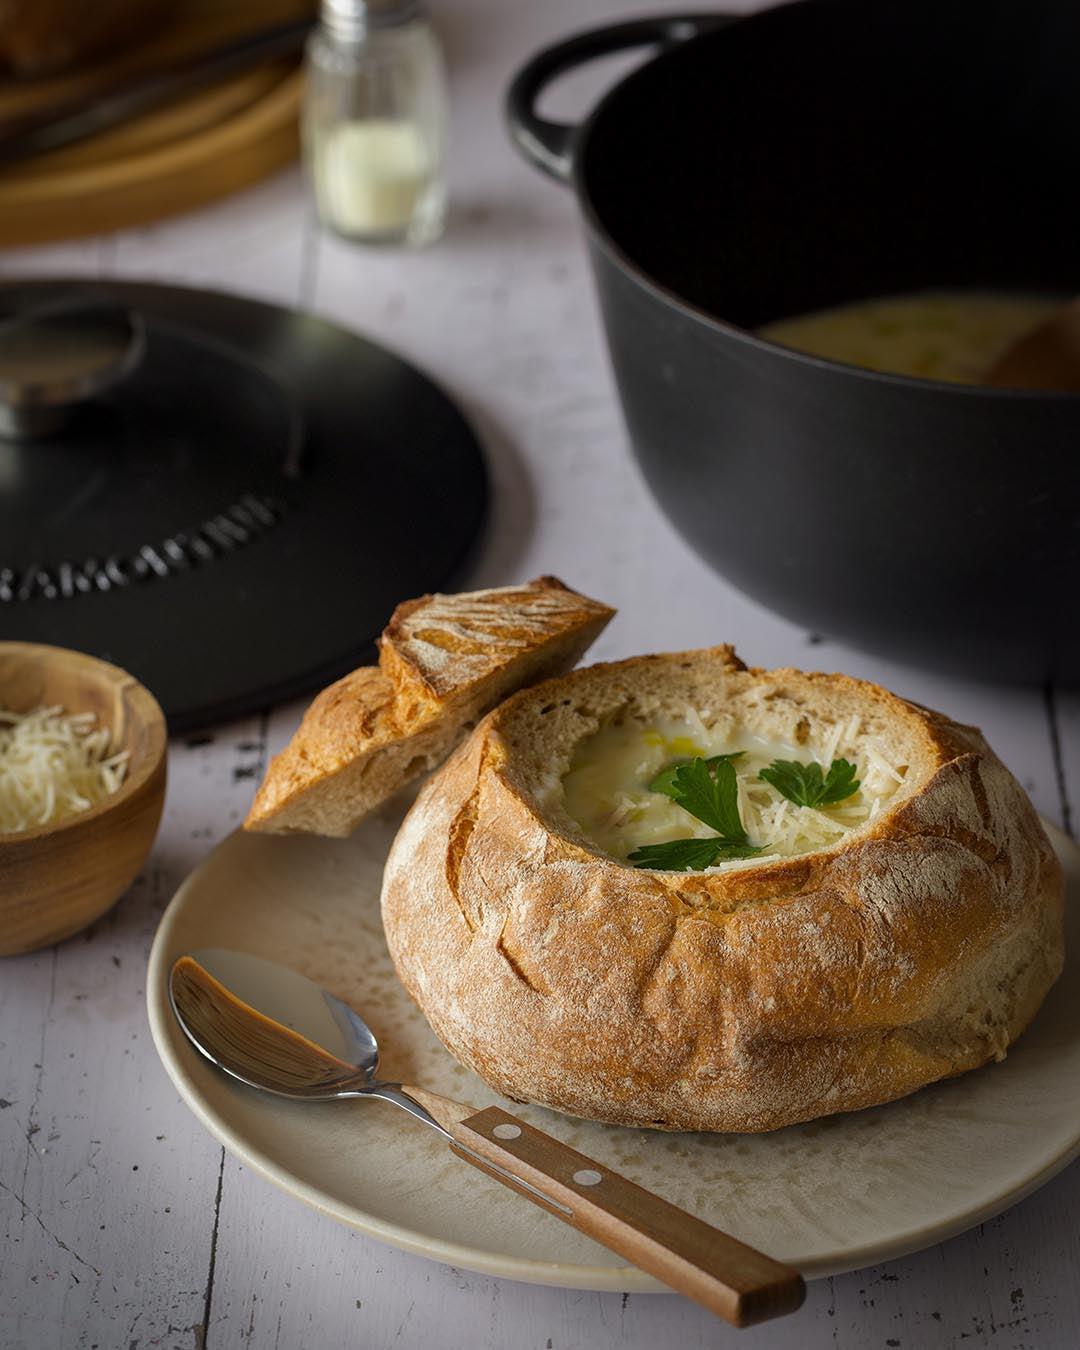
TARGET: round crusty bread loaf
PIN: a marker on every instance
(918, 947)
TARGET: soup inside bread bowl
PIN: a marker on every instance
(614, 791)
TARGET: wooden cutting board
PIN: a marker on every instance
(180, 156)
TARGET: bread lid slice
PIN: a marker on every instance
(444, 661)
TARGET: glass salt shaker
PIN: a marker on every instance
(374, 121)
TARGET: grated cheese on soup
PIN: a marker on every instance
(606, 788)
(53, 765)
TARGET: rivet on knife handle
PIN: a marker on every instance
(739, 1284)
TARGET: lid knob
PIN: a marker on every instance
(55, 352)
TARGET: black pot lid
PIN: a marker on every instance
(234, 520)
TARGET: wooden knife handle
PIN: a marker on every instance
(739, 1284)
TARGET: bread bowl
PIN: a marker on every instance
(915, 944)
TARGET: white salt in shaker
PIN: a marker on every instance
(374, 121)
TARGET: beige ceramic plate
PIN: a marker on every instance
(831, 1196)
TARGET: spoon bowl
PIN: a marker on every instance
(216, 996)
(278, 1031)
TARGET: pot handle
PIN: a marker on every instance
(549, 146)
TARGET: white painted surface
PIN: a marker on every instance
(124, 1226)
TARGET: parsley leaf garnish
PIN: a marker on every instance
(804, 785)
(714, 800)
(688, 855)
(665, 780)
(707, 789)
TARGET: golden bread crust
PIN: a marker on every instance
(444, 660)
(918, 947)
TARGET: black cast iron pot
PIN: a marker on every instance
(807, 156)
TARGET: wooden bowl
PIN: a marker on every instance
(58, 878)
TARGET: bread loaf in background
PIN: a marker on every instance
(919, 946)
(444, 661)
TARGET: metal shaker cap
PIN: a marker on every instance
(350, 20)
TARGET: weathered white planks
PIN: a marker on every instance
(108, 1183)
(191, 1249)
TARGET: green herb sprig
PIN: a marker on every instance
(707, 789)
(683, 855)
(665, 780)
(804, 784)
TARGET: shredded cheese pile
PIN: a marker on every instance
(787, 829)
(606, 789)
(53, 765)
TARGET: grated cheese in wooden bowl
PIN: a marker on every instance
(53, 765)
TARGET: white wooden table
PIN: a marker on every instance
(125, 1225)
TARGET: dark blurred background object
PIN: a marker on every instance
(202, 145)
(811, 156)
(44, 37)
(233, 519)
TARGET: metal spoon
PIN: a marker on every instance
(276, 1030)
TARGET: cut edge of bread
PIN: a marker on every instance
(444, 661)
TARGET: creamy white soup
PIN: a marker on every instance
(606, 789)
(939, 335)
